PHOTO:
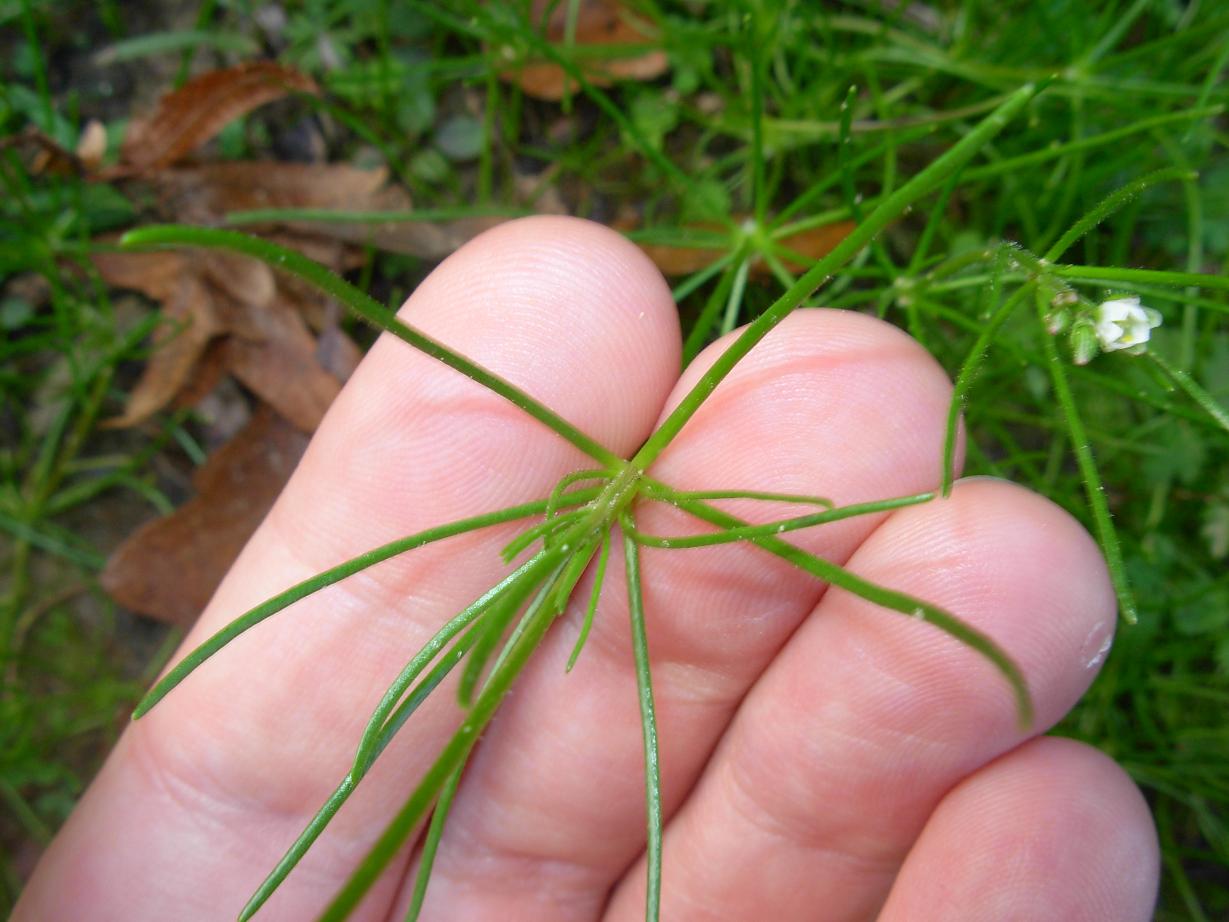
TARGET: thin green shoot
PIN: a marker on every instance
(315, 583)
(701, 330)
(648, 723)
(734, 300)
(595, 595)
(1192, 388)
(838, 576)
(966, 377)
(748, 532)
(660, 491)
(1111, 203)
(554, 500)
(452, 755)
(1094, 489)
(525, 573)
(501, 614)
(431, 844)
(294, 854)
(544, 529)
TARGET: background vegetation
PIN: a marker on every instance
(756, 134)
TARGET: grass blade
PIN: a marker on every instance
(648, 724)
(748, 532)
(431, 844)
(838, 576)
(599, 577)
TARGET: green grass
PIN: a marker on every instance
(771, 120)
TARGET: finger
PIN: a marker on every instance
(1052, 830)
(201, 797)
(552, 810)
(844, 747)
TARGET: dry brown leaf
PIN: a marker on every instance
(210, 191)
(812, 245)
(169, 568)
(191, 321)
(207, 296)
(598, 22)
(190, 116)
(48, 156)
(275, 357)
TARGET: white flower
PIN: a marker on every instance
(1123, 324)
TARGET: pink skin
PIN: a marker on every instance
(813, 767)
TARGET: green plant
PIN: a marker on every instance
(743, 144)
(507, 622)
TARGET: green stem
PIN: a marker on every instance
(369, 310)
(349, 783)
(887, 211)
(1093, 487)
(595, 595)
(748, 532)
(648, 724)
(1160, 277)
(371, 734)
(1111, 203)
(901, 602)
(431, 844)
(450, 758)
(1193, 390)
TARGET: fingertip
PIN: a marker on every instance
(1052, 830)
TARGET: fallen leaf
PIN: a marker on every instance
(276, 360)
(265, 341)
(809, 246)
(598, 23)
(49, 157)
(190, 323)
(207, 193)
(190, 116)
(169, 568)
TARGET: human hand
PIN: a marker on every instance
(822, 759)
